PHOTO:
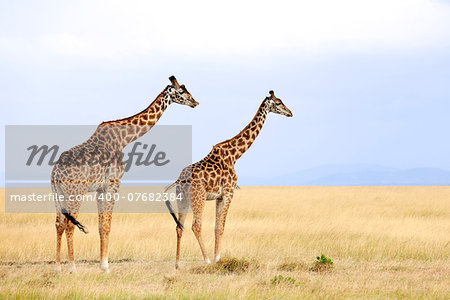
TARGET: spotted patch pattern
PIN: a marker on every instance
(214, 177)
(102, 168)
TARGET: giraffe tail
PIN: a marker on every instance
(169, 206)
(170, 186)
(57, 189)
(74, 221)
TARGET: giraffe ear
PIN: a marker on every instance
(174, 81)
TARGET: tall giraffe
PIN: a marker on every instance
(214, 178)
(97, 174)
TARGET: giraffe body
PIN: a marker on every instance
(96, 166)
(214, 178)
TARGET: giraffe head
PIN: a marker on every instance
(176, 93)
(275, 105)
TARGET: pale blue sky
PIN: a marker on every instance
(367, 81)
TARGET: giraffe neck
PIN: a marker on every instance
(129, 129)
(240, 143)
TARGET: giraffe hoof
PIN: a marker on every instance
(207, 261)
(104, 265)
(58, 269)
(72, 269)
(217, 258)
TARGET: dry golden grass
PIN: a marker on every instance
(386, 242)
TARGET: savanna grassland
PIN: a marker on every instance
(385, 242)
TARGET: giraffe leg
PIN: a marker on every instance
(222, 207)
(197, 229)
(60, 227)
(105, 207)
(104, 228)
(198, 202)
(184, 192)
(219, 208)
(181, 219)
(69, 235)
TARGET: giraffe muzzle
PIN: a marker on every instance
(288, 113)
(193, 103)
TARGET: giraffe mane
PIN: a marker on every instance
(245, 128)
(136, 114)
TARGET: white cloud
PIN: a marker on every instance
(119, 29)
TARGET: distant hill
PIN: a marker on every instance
(352, 174)
(356, 174)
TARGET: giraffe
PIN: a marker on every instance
(214, 178)
(71, 178)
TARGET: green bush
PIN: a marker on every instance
(322, 263)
